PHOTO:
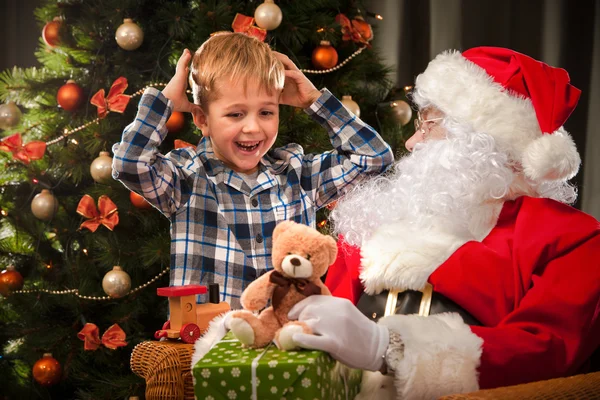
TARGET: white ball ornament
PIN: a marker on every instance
(116, 283)
(44, 205)
(129, 35)
(101, 168)
(268, 15)
(401, 111)
(10, 115)
(351, 105)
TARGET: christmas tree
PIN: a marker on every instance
(65, 223)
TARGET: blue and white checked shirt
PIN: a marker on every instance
(220, 227)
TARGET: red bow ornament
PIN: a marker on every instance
(113, 337)
(244, 24)
(180, 144)
(33, 150)
(115, 101)
(356, 30)
(107, 216)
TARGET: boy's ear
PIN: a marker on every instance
(199, 119)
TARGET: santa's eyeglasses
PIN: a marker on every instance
(421, 124)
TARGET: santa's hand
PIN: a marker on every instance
(342, 331)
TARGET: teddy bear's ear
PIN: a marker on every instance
(282, 227)
(332, 249)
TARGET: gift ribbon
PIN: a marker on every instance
(356, 30)
(244, 24)
(115, 101)
(113, 337)
(33, 150)
(106, 214)
(253, 368)
(284, 283)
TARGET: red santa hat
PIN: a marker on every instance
(519, 101)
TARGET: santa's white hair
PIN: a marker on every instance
(444, 181)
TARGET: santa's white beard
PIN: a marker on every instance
(455, 182)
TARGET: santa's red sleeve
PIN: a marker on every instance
(343, 275)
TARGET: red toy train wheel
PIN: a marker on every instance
(189, 333)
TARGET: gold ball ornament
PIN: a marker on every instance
(51, 33)
(268, 15)
(101, 168)
(10, 280)
(129, 35)
(10, 115)
(44, 205)
(324, 56)
(116, 283)
(47, 370)
(401, 111)
(70, 96)
(351, 105)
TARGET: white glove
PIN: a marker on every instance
(342, 331)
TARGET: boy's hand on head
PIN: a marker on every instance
(298, 90)
(175, 89)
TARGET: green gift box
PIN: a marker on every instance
(230, 371)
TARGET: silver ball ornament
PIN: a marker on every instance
(268, 15)
(401, 111)
(10, 115)
(351, 105)
(44, 205)
(116, 283)
(101, 168)
(129, 35)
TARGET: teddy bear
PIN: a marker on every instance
(300, 256)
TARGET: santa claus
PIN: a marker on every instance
(477, 222)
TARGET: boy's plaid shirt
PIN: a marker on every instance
(220, 227)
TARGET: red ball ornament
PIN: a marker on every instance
(139, 201)
(10, 280)
(46, 370)
(51, 33)
(70, 96)
(324, 56)
(176, 122)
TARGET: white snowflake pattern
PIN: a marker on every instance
(276, 355)
(286, 375)
(319, 371)
(306, 382)
(300, 369)
(290, 389)
(231, 394)
(273, 389)
(310, 360)
(209, 398)
(223, 383)
(205, 373)
(204, 383)
(242, 388)
(271, 377)
(207, 360)
(221, 370)
(293, 353)
(323, 392)
(235, 372)
(273, 363)
(301, 355)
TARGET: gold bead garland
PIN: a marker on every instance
(340, 65)
(96, 298)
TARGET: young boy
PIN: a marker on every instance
(225, 197)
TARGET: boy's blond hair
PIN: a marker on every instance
(236, 57)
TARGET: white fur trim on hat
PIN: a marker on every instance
(467, 94)
(441, 357)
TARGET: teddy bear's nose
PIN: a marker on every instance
(295, 262)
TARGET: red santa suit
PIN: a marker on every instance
(533, 282)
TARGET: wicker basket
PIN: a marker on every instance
(572, 388)
(166, 368)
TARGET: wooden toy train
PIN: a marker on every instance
(189, 320)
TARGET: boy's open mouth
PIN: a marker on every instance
(247, 146)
